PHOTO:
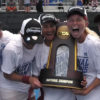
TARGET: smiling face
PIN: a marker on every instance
(76, 25)
(48, 31)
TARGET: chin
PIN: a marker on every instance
(75, 35)
(50, 38)
(30, 46)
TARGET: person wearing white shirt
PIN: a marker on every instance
(88, 56)
(18, 62)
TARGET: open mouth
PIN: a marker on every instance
(75, 30)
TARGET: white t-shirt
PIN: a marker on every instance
(6, 37)
(19, 59)
(89, 64)
(50, 93)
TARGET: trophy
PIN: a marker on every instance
(61, 70)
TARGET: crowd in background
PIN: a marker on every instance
(27, 4)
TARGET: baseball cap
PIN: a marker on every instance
(47, 18)
(31, 31)
(77, 10)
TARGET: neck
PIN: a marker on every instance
(47, 42)
(28, 46)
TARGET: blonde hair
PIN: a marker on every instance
(89, 31)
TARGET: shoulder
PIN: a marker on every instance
(6, 37)
(93, 44)
(17, 40)
(93, 39)
(93, 33)
(15, 44)
(7, 34)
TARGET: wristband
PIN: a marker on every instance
(25, 79)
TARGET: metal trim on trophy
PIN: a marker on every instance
(61, 70)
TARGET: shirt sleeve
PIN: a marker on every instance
(9, 60)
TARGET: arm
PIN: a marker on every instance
(10, 61)
(85, 91)
(29, 80)
(94, 67)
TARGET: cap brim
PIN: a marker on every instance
(46, 21)
(33, 41)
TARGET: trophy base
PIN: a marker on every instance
(48, 79)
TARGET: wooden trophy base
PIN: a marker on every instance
(48, 79)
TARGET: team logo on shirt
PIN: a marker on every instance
(25, 68)
(83, 63)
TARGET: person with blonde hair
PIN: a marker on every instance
(88, 55)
